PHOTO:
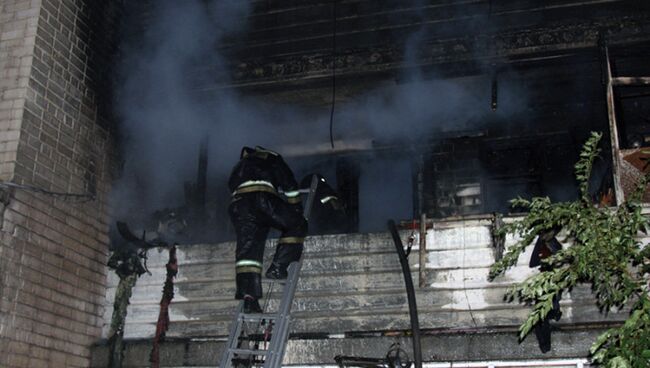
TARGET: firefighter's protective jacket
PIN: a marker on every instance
(261, 167)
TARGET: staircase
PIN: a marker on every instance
(351, 300)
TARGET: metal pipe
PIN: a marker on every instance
(202, 174)
(613, 134)
(423, 250)
(445, 331)
(420, 184)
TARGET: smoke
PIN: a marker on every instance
(428, 106)
(424, 107)
(422, 102)
(163, 119)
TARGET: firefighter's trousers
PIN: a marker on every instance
(253, 215)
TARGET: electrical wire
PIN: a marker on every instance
(81, 197)
(333, 72)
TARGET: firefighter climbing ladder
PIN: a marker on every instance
(271, 357)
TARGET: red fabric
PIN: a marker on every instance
(163, 317)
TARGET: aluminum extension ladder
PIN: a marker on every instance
(236, 355)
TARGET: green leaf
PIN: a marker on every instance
(619, 362)
(599, 342)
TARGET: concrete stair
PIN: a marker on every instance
(350, 283)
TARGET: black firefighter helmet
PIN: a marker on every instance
(259, 150)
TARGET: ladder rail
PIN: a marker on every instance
(279, 337)
(235, 331)
(279, 354)
(310, 197)
(279, 342)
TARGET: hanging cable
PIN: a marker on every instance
(81, 197)
(495, 91)
(333, 72)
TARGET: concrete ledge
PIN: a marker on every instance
(480, 345)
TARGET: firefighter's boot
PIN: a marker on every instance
(251, 305)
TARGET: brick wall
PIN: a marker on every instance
(18, 19)
(56, 135)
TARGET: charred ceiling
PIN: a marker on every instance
(292, 43)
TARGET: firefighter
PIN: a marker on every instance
(256, 207)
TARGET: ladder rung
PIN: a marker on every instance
(274, 281)
(258, 316)
(279, 320)
(249, 351)
(247, 361)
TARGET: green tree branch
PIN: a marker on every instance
(605, 252)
